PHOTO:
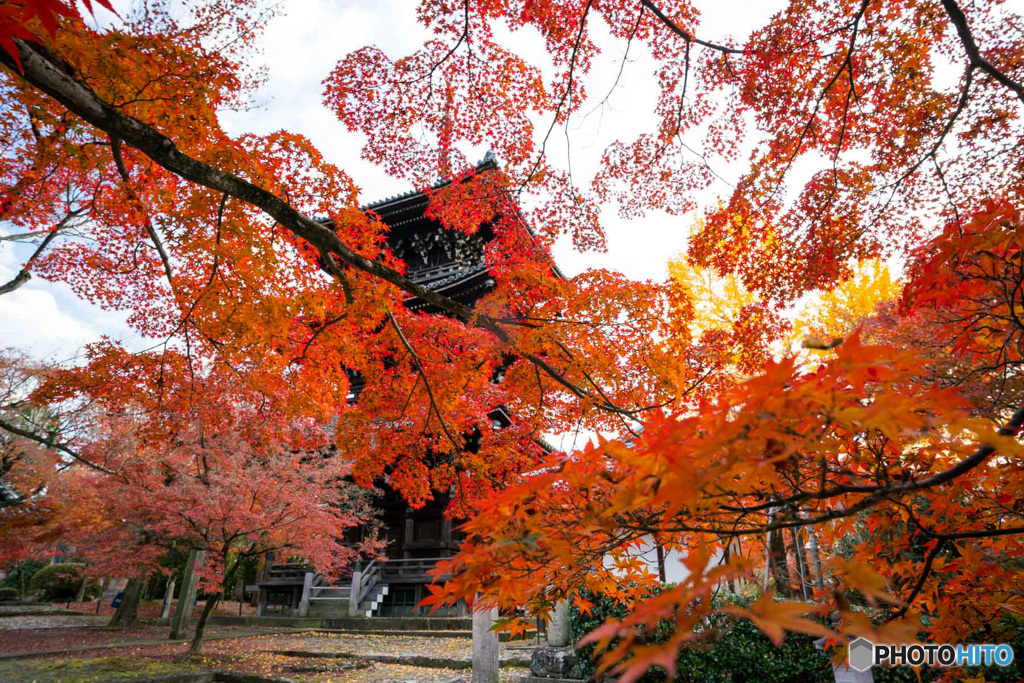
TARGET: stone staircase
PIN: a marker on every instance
(361, 596)
(327, 600)
(369, 606)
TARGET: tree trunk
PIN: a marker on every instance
(211, 603)
(780, 568)
(801, 570)
(660, 553)
(80, 595)
(726, 557)
(197, 639)
(812, 543)
(99, 598)
(187, 594)
(128, 611)
(239, 594)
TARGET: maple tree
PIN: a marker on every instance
(26, 467)
(198, 461)
(902, 434)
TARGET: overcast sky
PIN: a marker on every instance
(301, 46)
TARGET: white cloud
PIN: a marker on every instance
(46, 319)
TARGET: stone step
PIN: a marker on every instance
(468, 635)
(400, 623)
(514, 660)
(317, 597)
(382, 632)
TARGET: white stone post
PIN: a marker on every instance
(353, 594)
(307, 589)
(168, 598)
(558, 627)
(485, 646)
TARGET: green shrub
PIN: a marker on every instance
(57, 581)
(7, 594)
(21, 571)
(739, 652)
(735, 651)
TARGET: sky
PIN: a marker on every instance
(300, 47)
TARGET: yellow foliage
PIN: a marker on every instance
(835, 314)
(716, 300)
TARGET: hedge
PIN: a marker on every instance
(57, 581)
(736, 651)
(24, 569)
(8, 594)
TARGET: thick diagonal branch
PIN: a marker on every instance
(47, 76)
(686, 35)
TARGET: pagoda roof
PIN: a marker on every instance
(446, 261)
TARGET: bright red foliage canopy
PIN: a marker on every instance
(900, 441)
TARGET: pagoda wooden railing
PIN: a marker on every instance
(286, 574)
(411, 568)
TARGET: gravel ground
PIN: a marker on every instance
(357, 644)
(10, 609)
(126, 667)
(247, 650)
(61, 621)
(255, 655)
(50, 639)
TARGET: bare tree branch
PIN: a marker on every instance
(24, 275)
(49, 442)
(977, 60)
(115, 149)
(685, 35)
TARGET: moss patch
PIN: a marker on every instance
(69, 670)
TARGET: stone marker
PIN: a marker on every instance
(187, 596)
(559, 663)
(485, 646)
